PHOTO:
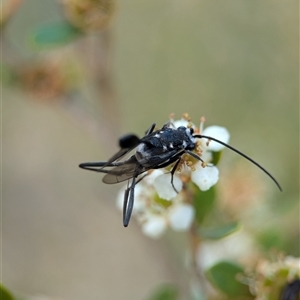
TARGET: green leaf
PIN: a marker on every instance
(5, 294)
(165, 292)
(223, 276)
(54, 34)
(203, 202)
(271, 238)
(216, 156)
(163, 202)
(220, 231)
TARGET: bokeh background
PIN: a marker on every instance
(234, 62)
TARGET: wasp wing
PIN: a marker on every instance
(118, 155)
(123, 171)
(115, 171)
(112, 162)
(127, 144)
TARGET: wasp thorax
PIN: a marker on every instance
(142, 153)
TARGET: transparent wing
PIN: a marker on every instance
(122, 172)
(118, 155)
(127, 143)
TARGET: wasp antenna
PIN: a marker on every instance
(243, 155)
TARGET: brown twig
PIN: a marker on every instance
(96, 51)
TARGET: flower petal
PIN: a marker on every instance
(120, 198)
(139, 202)
(182, 122)
(181, 217)
(155, 226)
(164, 188)
(149, 179)
(206, 177)
(217, 132)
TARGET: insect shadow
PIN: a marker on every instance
(156, 150)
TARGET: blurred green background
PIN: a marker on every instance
(234, 62)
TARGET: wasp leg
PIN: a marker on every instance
(173, 172)
(176, 159)
(194, 155)
(126, 193)
(98, 166)
(177, 163)
(151, 129)
(141, 178)
(128, 202)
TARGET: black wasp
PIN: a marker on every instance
(157, 149)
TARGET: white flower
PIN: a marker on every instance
(234, 247)
(290, 264)
(275, 275)
(149, 179)
(140, 193)
(178, 217)
(206, 177)
(164, 188)
(181, 122)
(154, 226)
(181, 216)
(218, 132)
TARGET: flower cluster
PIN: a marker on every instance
(89, 15)
(272, 277)
(157, 204)
(50, 78)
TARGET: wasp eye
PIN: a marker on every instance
(192, 130)
(181, 128)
